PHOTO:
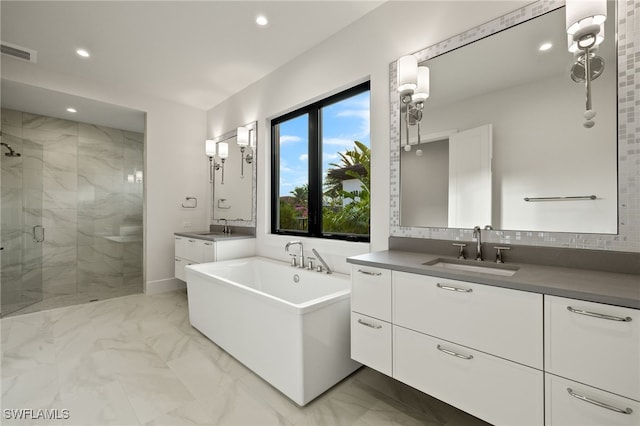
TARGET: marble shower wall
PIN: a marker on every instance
(89, 201)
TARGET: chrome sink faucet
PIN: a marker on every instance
(286, 249)
(226, 229)
(477, 234)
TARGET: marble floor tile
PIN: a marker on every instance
(106, 405)
(136, 360)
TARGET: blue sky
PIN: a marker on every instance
(343, 122)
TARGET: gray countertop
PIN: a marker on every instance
(595, 286)
(213, 236)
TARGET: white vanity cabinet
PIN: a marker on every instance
(191, 250)
(569, 403)
(592, 349)
(503, 322)
(505, 355)
(494, 389)
(371, 317)
(470, 345)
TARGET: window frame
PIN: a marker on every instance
(314, 112)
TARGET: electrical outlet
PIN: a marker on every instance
(187, 224)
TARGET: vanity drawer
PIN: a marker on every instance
(371, 291)
(193, 249)
(574, 404)
(503, 322)
(371, 342)
(179, 271)
(493, 389)
(180, 246)
(593, 343)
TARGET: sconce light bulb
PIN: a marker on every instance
(407, 147)
(419, 153)
(242, 136)
(223, 150)
(407, 74)
(210, 148)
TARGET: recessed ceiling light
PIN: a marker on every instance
(83, 53)
(545, 46)
(262, 20)
(71, 109)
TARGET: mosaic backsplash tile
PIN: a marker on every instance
(628, 237)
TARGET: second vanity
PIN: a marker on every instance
(515, 345)
(202, 247)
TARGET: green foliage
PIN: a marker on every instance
(294, 209)
(348, 212)
(301, 195)
(360, 154)
(287, 215)
(343, 212)
(353, 218)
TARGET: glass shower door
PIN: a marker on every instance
(21, 226)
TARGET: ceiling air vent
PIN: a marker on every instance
(18, 52)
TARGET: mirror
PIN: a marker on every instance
(534, 145)
(234, 180)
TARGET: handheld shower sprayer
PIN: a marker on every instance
(12, 152)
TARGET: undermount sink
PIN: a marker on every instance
(208, 233)
(473, 266)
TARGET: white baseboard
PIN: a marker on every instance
(162, 286)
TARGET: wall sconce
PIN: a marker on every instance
(210, 150)
(223, 153)
(413, 85)
(245, 138)
(585, 31)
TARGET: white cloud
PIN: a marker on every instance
(330, 156)
(342, 142)
(284, 139)
(365, 123)
(304, 157)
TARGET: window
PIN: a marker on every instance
(320, 168)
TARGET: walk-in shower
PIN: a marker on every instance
(71, 218)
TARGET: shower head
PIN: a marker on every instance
(12, 152)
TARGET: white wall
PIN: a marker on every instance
(363, 50)
(175, 162)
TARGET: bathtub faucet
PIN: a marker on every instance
(291, 243)
(326, 267)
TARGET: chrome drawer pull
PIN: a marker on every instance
(369, 324)
(452, 353)
(376, 274)
(598, 403)
(192, 241)
(208, 244)
(451, 288)
(597, 315)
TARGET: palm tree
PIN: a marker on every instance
(354, 163)
(301, 195)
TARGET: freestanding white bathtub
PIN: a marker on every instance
(290, 326)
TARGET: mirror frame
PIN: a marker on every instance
(253, 126)
(627, 239)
